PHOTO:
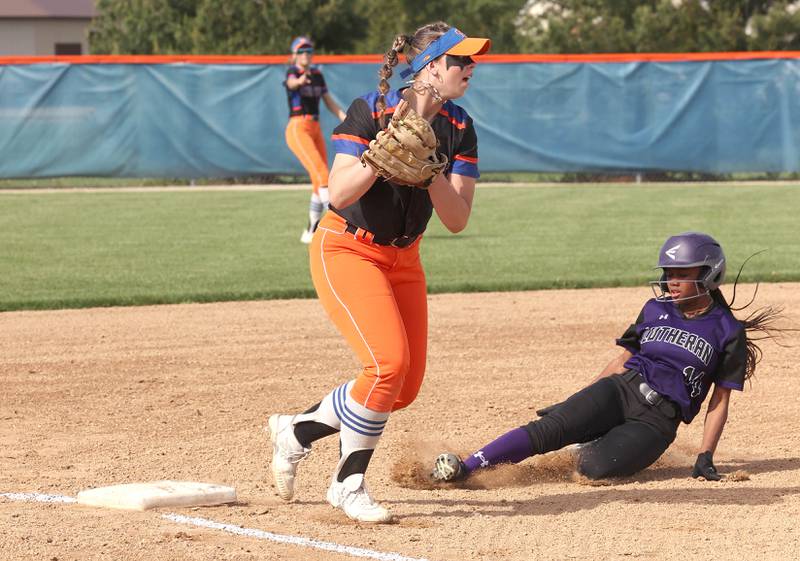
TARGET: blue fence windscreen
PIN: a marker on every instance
(225, 120)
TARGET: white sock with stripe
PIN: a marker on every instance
(315, 210)
(324, 414)
(360, 431)
(324, 198)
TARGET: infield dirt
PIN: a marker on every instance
(115, 395)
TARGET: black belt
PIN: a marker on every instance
(361, 233)
(651, 396)
(660, 402)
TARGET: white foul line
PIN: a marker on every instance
(37, 498)
(238, 530)
(296, 540)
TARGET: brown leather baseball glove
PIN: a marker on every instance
(405, 152)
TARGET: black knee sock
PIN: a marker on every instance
(310, 431)
(307, 432)
(356, 462)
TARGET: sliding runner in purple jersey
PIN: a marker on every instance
(684, 342)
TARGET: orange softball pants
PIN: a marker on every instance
(305, 140)
(377, 298)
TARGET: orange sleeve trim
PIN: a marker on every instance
(377, 59)
(466, 159)
(351, 138)
(389, 111)
(452, 119)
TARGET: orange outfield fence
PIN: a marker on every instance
(376, 58)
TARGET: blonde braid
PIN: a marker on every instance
(390, 61)
(412, 46)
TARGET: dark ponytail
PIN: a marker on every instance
(758, 325)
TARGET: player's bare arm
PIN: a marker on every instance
(333, 107)
(349, 180)
(716, 416)
(293, 83)
(452, 200)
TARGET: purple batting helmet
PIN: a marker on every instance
(693, 249)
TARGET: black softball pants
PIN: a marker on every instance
(623, 433)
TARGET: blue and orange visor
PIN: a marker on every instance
(302, 44)
(451, 43)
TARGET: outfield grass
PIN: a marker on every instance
(93, 182)
(64, 250)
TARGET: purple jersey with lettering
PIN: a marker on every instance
(680, 358)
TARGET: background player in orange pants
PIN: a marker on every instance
(366, 267)
(304, 88)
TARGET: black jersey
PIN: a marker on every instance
(305, 99)
(681, 358)
(387, 209)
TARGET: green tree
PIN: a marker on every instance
(268, 26)
(573, 26)
(367, 26)
(597, 26)
(689, 26)
(776, 30)
(214, 27)
(142, 27)
(385, 20)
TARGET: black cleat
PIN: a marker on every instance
(448, 467)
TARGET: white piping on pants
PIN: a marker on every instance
(358, 330)
(306, 159)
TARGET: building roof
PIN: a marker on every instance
(47, 9)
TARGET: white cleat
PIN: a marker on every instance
(286, 453)
(306, 236)
(352, 496)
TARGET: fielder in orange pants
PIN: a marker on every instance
(365, 263)
(305, 86)
(377, 298)
(305, 140)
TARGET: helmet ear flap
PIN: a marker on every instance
(662, 283)
(711, 278)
